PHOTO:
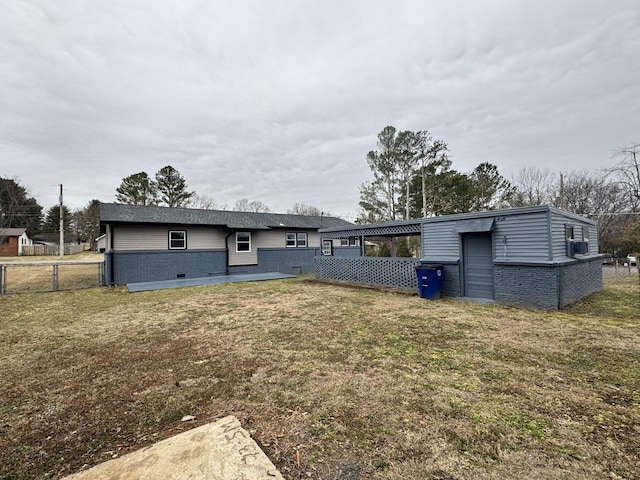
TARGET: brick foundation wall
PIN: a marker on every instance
(150, 266)
(547, 286)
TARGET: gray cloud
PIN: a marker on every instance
(280, 101)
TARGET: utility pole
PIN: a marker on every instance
(61, 226)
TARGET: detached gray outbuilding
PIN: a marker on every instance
(540, 257)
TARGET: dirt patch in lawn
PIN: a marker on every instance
(333, 382)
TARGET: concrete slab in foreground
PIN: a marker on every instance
(217, 451)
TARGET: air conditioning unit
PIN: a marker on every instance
(580, 248)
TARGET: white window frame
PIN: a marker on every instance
(302, 240)
(353, 242)
(243, 242)
(327, 248)
(290, 240)
(344, 242)
(183, 239)
(299, 239)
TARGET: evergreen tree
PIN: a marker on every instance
(137, 189)
(52, 222)
(172, 188)
(18, 209)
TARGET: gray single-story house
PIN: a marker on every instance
(540, 257)
(144, 243)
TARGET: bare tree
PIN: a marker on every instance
(627, 172)
(244, 205)
(304, 209)
(533, 186)
(204, 202)
(429, 153)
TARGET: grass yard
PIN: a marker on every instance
(333, 382)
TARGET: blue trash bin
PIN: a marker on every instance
(430, 281)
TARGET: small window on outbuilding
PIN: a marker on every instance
(344, 242)
(327, 247)
(243, 241)
(177, 240)
(569, 232)
(585, 236)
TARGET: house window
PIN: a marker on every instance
(302, 239)
(291, 239)
(353, 241)
(344, 242)
(243, 242)
(327, 247)
(297, 239)
(177, 240)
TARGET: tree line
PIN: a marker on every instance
(18, 208)
(413, 177)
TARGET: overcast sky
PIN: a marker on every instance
(280, 101)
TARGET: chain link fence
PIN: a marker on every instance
(47, 276)
(619, 271)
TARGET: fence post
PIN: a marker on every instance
(101, 281)
(55, 277)
(3, 277)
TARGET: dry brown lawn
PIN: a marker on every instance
(35, 274)
(333, 382)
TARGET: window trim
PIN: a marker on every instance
(570, 229)
(243, 242)
(299, 242)
(296, 239)
(290, 237)
(184, 240)
(585, 236)
(327, 243)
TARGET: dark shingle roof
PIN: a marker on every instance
(12, 232)
(118, 213)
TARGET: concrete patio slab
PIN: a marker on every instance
(217, 451)
(213, 280)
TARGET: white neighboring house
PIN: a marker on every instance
(12, 241)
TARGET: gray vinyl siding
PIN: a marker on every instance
(132, 238)
(526, 237)
(243, 258)
(558, 234)
(267, 239)
(558, 238)
(440, 240)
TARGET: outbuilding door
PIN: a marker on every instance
(477, 254)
